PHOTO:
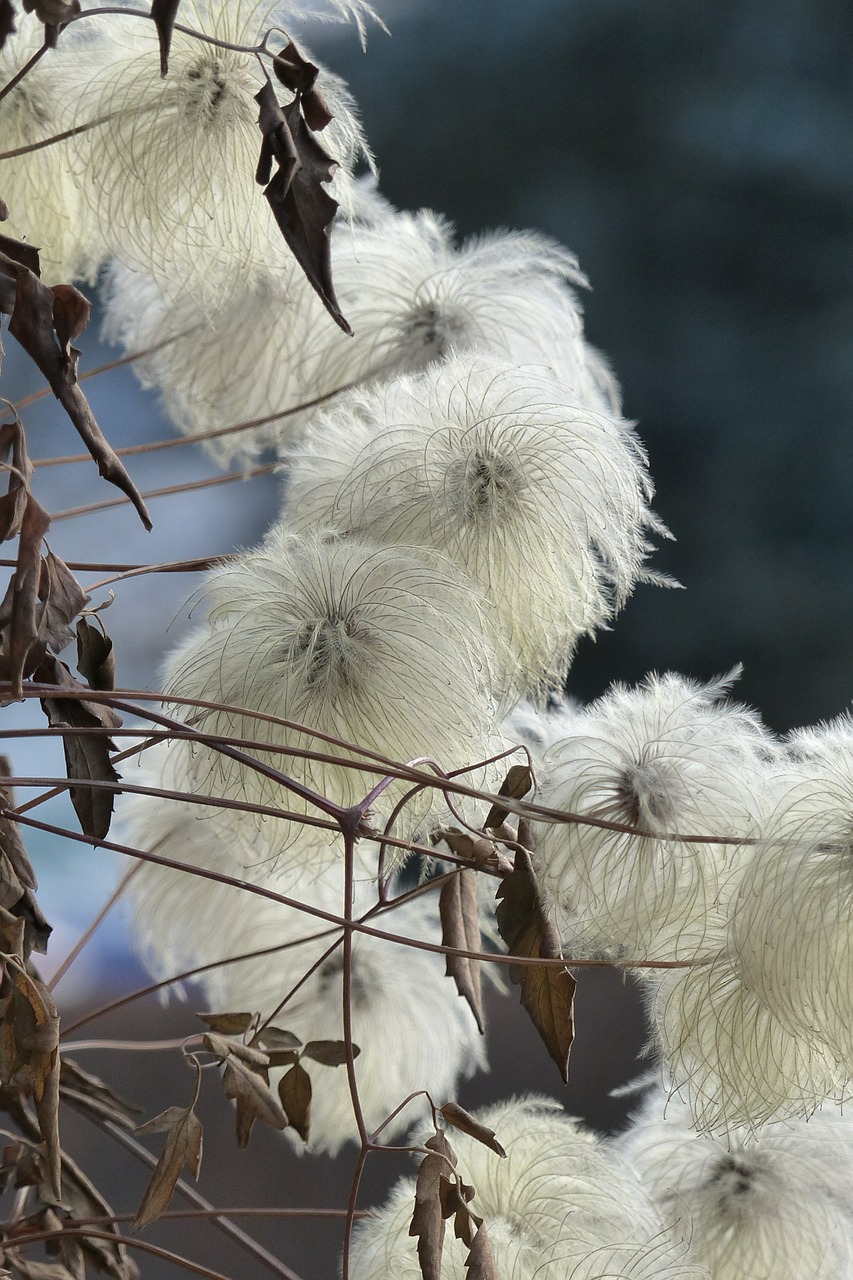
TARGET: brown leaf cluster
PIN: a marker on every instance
(302, 208)
(441, 1194)
(18, 882)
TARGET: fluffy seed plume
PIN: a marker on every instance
(792, 928)
(362, 642)
(557, 1205)
(172, 173)
(729, 1057)
(42, 189)
(670, 756)
(540, 501)
(771, 1206)
(412, 297)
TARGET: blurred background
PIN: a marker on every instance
(699, 161)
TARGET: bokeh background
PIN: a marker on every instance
(699, 161)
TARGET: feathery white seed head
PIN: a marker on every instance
(412, 297)
(792, 927)
(41, 188)
(559, 1205)
(172, 173)
(542, 502)
(669, 756)
(774, 1205)
(369, 644)
(729, 1057)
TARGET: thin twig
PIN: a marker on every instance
(167, 491)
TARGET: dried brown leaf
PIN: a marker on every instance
(331, 1053)
(477, 849)
(20, 250)
(32, 323)
(302, 208)
(86, 756)
(95, 657)
(16, 871)
(22, 649)
(428, 1218)
(466, 1123)
(71, 311)
(294, 1089)
(516, 785)
(547, 992)
(53, 13)
(92, 1096)
(275, 1038)
(29, 1053)
(164, 13)
(226, 1024)
(295, 72)
(460, 928)
(248, 1085)
(62, 600)
(227, 1049)
(455, 1196)
(480, 1263)
(24, 1268)
(183, 1149)
(13, 452)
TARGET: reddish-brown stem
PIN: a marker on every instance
(166, 492)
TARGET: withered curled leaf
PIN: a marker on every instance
(294, 1089)
(460, 928)
(86, 755)
(302, 208)
(277, 1038)
(95, 657)
(466, 1123)
(21, 649)
(295, 72)
(20, 251)
(246, 1081)
(53, 13)
(428, 1218)
(183, 1149)
(547, 991)
(164, 13)
(62, 599)
(13, 453)
(19, 909)
(515, 785)
(31, 307)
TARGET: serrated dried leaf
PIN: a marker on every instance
(547, 991)
(455, 1196)
(226, 1024)
(331, 1053)
(164, 13)
(86, 756)
(183, 1149)
(13, 452)
(32, 323)
(249, 1088)
(460, 928)
(275, 1038)
(29, 1054)
(302, 208)
(466, 1123)
(95, 657)
(294, 1089)
(480, 1263)
(92, 1096)
(62, 600)
(7, 28)
(71, 311)
(516, 785)
(428, 1219)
